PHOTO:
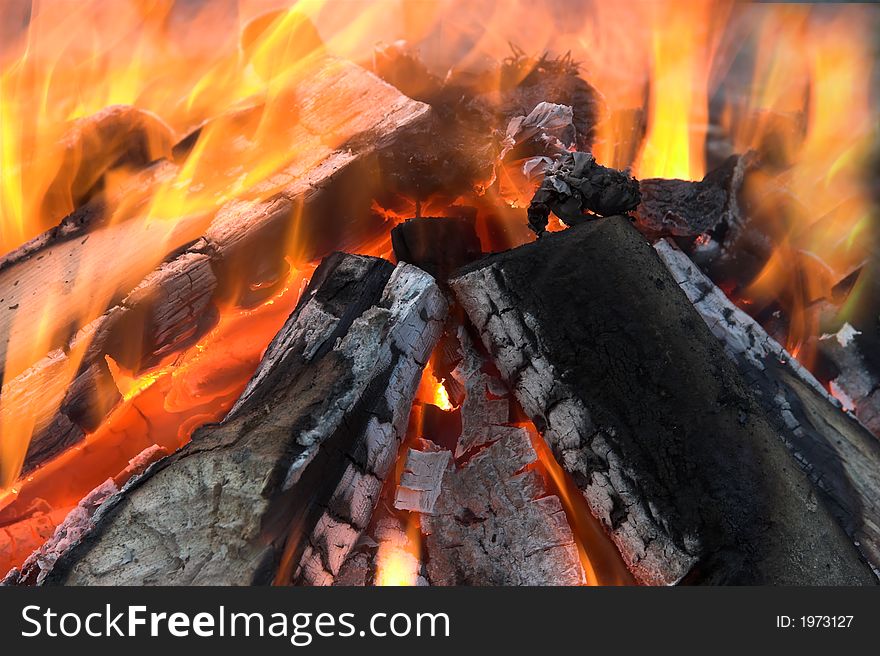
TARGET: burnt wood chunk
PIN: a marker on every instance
(839, 455)
(439, 245)
(422, 480)
(685, 208)
(282, 487)
(143, 294)
(576, 188)
(492, 521)
(653, 422)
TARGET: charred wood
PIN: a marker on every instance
(439, 245)
(458, 150)
(159, 307)
(283, 486)
(576, 188)
(656, 426)
(491, 521)
(683, 208)
(839, 455)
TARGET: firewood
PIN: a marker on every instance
(388, 538)
(574, 185)
(169, 304)
(492, 521)
(114, 137)
(489, 518)
(839, 455)
(683, 208)
(642, 408)
(283, 486)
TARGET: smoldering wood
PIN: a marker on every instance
(457, 152)
(157, 308)
(422, 480)
(348, 511)
(837, 452)
(485, 410)
(654, 423)
(439, 245)
(856, 380)
(684, 208)
(576, 188)
(284, 485)
(494, 523)
(363, 564)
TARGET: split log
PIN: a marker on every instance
(492, 521)
(283, 486)
(655, 425)
(839, 455)
(161, 302)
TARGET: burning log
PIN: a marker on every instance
(641, 407)
(166, 305)
(839, 455)
(114, 137)
(389, 543)
(283, 486)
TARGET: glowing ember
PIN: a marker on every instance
(397, 561)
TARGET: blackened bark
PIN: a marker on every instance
(641, 406)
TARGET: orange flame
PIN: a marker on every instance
(818, 66)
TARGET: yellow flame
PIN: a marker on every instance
(678, 113)
(441, 396)
(397, 560)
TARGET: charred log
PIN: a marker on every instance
(839, 455)
(656, 426)
(491, 521)
(284, 485)
(158, 306)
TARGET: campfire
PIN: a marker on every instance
(447, 293)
